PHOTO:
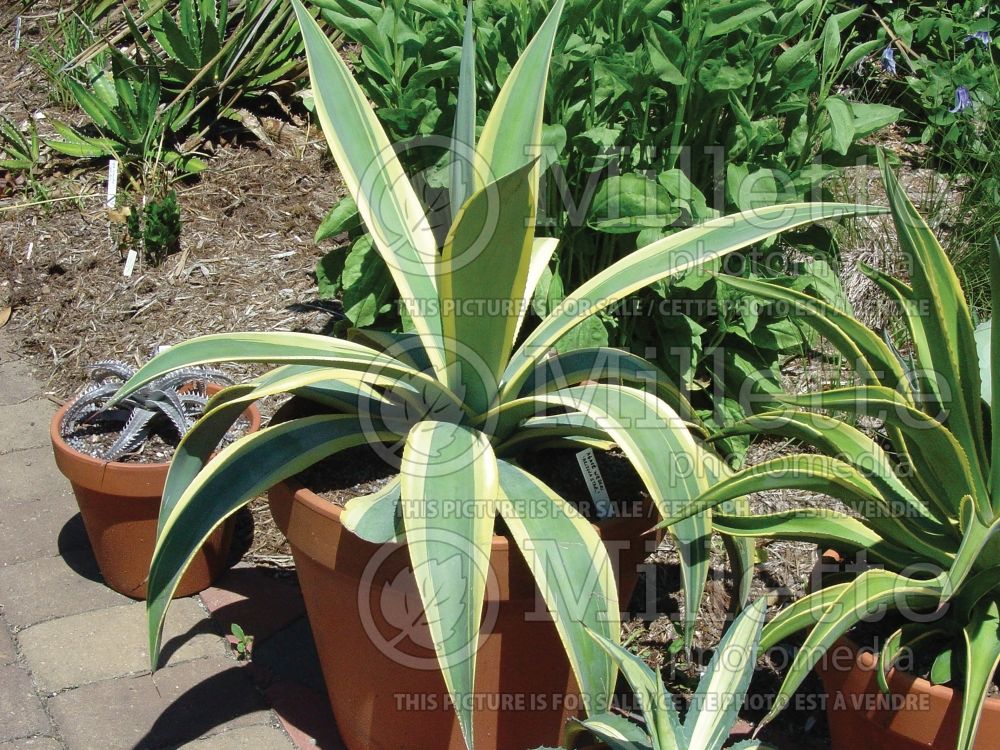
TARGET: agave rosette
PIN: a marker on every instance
(456, 394)
(926, 499)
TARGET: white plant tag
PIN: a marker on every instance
(17, 33)
(112, 183)
(133, 256)
(595, 483)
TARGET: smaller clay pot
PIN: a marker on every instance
(120, 504)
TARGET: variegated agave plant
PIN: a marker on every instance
(456, 394)
(715, 704)
(174, 402)
(926, 498)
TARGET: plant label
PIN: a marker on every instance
(112, 183)
(595, 482)
(133, 256)
(17, 33)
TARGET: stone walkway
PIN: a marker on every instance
(73, 660)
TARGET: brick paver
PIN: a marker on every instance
(51, 587)
(21, 711)
(73, 654)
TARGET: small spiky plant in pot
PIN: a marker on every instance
(116, 459)
(167, 407)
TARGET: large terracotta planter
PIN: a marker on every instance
(916, 716)
(385, 688)
(120, 503)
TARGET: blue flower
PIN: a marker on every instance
(981, 36)
(962, 100)
(888, 61)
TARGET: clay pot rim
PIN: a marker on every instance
(97, 464)
(315, 502)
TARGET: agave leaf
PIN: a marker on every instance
(485, 259)
(600, 363)
(542, 250)
(276, 348)
(657, 705)
(819, 525)
(512, 135)
(726, 680)
(449, 483)
(679, 252)
(995, 385)
(861, 598)
(374, 517)
(861, 347)
(463, 136)
(239, 473)
(671, 465)
(558, 544)
(948, 322)
(982, 651)
(374, 177)
(939, 457)
(615, 731)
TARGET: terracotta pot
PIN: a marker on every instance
(386, 691)
(120, 503)
(915, 716)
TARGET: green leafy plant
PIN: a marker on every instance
(715, 704)
(242, 642)
(661, 115)
(158, 231)
(219, 55)
(123, 104)
(74, 29)
(456, 398)
(21, 154)
(926, 495)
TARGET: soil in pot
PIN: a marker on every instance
(381, 672)
(119, 502)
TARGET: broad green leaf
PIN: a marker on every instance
(726, 17)
(841, 124)
(341, 218)
(386, 200)
(449, 484)
(573, 572)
